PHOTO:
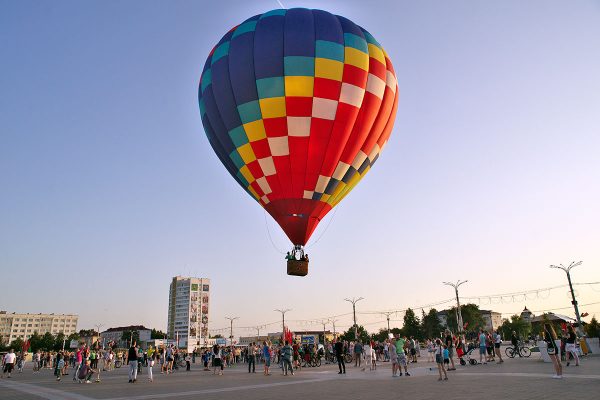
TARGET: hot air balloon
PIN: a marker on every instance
(297, 104)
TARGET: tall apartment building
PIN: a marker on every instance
(22, 326)
(188, 311)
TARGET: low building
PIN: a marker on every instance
(492, 319)
(115, 335)
(22, 326)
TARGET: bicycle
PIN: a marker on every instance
(520, 349)
(118, 364)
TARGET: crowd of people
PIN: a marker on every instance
(290, 356)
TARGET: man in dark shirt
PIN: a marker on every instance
(132, 360)
(514, 340)
(339, 355)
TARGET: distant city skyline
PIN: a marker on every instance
(110, 187)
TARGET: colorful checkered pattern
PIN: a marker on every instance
(297, 105)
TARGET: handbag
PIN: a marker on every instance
(551, 349)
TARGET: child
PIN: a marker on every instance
(446, 357)
(439, 359)
(60, 364)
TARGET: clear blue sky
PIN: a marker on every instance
(109, 186)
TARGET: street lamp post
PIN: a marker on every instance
(98, 326)
(283, 311)
(333, 321)
(459, 320)
(574, 300)
(354, 300)
(231, 319)
(387, 316)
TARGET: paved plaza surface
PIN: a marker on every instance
(515, 379)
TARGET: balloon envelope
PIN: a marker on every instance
(298, 104)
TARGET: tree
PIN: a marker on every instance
(87, 332)
(471, 318)
(363, 335)
(516, 324)
(412, 326)
(593, 329)
(382, 335)
(17, 344)
(156, 334)
(130, 337)
(59, 341)
(35, 342)
(217, 336)
(47, 342)
(431, 325)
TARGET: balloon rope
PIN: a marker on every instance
(269, 233)
(324, 230)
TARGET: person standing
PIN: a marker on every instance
(60, 364)
(9, 362)
(286, 356)
(251, 358)
(339, 355)
(393, 358)
(358, 353)
(132, 360)
(571, 347)
(439, 360)
(217, 359)
(79, 361)
(400, 351)
(267, 356)
(150, 363)
(497, 344)
(188, 362)
(482, 348)
(552, 349)
(449, 342)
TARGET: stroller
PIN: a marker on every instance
(467, 357)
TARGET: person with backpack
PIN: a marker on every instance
(60, 364)
(286, 356)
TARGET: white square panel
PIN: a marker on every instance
(352, 95)
(298, 126)
(267, 166)
(324, 108)
(279, 146)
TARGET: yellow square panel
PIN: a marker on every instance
(273, 107)
(255, 130)
(247, 174)
(299, 86)
(325, 197)
(330, 69)
(247, 153)
(251, 189)
(376, 53)
(356, 57)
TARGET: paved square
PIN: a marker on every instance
(515, 379)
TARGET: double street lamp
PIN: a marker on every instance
(567, 270)
(459, 320)
(354, 300)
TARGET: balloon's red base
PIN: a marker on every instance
(298, 217)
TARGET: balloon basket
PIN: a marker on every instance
(297, 267)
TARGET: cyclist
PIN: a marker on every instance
(514, 339)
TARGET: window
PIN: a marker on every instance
(205, 288)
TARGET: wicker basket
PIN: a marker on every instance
(297, 268)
